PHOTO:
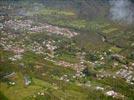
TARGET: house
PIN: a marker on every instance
(27, 80)
(111, 93)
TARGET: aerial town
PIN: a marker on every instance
(54, 50)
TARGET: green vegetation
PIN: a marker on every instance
(2, 96)
(48, 65)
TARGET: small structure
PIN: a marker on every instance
(27, 80)
(99, 88)
(111, 93)
(11, 83)
(10, 75)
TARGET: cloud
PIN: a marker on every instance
(122, 11)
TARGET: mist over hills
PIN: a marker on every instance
(117, 10)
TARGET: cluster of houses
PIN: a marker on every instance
(9, 45)
(40, 48)
(19, 49)
(35, 47)
(18, 53)
(30, 26)
(76, 66)
(54, 29)
(68, 78)
(12, 76)
(18, 24)
(110, 93)
(50, 45)
(65, 78)
(45, 48)
(128, 75)
(15, 57)
(107, 92)
(114, 94)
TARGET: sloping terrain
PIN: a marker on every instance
(64, 50)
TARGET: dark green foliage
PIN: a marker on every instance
(92, 57)
(131, 55)
(2, 96)
(86, 71)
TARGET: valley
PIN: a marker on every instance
(50, 52)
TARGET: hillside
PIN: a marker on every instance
(66, 50)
